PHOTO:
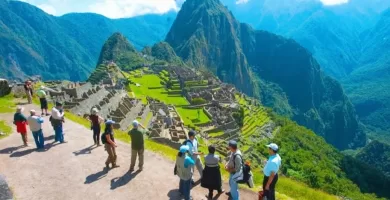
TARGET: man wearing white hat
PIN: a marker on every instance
(35, 123)
(95, 120)
(271, 171)
(137, 145)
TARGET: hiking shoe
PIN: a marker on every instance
(115, 166)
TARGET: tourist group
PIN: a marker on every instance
(187, 159)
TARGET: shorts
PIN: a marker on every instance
(43, 103)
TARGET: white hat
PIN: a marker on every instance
(95, 110)
(273, 146)
(42, 87)
(135, 123)
(19, 109)
(33, 111)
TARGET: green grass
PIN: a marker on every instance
(4, 128)
(216, 133)
(151, 86)
(7, 104)
(190, 116)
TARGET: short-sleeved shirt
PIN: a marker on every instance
(94, 119)
(110, 133)
(211, 160)
(235, 161)
(41, 94)
(137, 138)
(273, 165)
(193, 146)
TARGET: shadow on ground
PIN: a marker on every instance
(49, 138)
(10, 150)
(84, 151)
(22, 153)
(174, 194)
(121, 181)
(95, 177)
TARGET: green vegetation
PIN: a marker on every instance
(163, 51)
(198, 101)
(7, 104)
(4, 128)
(192, 117)
(66, 47)
(376, 154)
(150, 85)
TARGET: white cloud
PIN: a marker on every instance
(48, 8)
(334, 2)
(130, 8)
(241, 1)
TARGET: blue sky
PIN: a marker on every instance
(121, 8)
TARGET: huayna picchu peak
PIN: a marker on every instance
(206, 34)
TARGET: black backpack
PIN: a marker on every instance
(246, 169)
(103, 138)
(185, 142)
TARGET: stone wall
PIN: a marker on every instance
(5, 88)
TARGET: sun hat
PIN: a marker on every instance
(19, 109)
(108, 122)
(135, 123)
(33, 111)
(273, 146)
(184, 148)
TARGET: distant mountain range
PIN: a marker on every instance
(67, 47)
(350, 41)
(279, 71)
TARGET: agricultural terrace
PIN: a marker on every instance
(152, 85)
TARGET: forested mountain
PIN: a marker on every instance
(350, 41)
(265, 65)
(376, 154)
(36, 43)
(369, 85)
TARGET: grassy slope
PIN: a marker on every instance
(7, 104)
(4, 128)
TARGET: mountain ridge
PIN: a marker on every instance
(323, 107)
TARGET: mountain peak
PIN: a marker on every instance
(114, 48)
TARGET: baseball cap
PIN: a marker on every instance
(135, 123)
(184, 148)
(273, 146)
(233, 143)
(110, 122)
(191, 133)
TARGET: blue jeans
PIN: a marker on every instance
(233, 188)
(39, 140)
(185, 188)
(59, 135)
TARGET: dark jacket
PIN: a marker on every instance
(137, 139)
(211, 178)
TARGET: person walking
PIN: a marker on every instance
(192, 142)
(21, 124)
(234, 167)
(185, 171)
(137, 145)
(271, 171)
(57, 120)
(42, 99)
(35, 123)
(211, 178)
(29, 91)
(109, 144)
(95, 120)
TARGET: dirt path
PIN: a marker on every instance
(75, 170)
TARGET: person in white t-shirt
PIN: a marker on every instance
(271, 170)
(193, 145)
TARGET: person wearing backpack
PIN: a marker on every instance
(184, 169)
(57, 120)
(234, 167)
(270, 170)
(109, 144)
(192, 142)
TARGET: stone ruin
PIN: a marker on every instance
(166, 123)
(112, 104)
(5, 88)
